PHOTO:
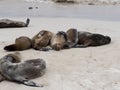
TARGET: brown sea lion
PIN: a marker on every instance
(6, 23)
(21, 43)
(86, 39)
(21, 72)
(72, 37)
(59, 41)
(42, 40)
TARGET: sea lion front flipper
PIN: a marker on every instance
(31, 83)
(66, 45)
(86, 44)
(10, 47)
(45, 48)
(27, 82)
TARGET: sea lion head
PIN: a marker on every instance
(72, 36)
(59, 41)
(13, 57)
(57, 47)
(62, 33)
(42, 39)
(108, 39)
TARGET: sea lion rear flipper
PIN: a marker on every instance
(10, 47)
(27, 22)
(27, 82)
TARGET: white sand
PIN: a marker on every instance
(92, 68)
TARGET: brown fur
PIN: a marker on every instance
(41, 40)
(21, 43)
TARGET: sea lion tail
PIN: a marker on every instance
(10, 47)
(27, 22)
(31, 83)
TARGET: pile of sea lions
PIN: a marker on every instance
(11, 67)
(46, 40)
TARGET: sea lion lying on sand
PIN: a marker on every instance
(86, 39)
(6, 23)
(11, 70)
(59, 41)
(42, 40)
(21, 43)
(64, 1)
(72, 37)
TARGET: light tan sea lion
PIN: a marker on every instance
(59, 41)
(21, 43)
(42, 40)
(6, 23)
(86, 39)
(21, 72)
(72, 37)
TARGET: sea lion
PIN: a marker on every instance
(42, 40)
(59, 41)
(6, 23)
(86, 39)
(21, 43)
(64, 1)
(72, 37)
(22, 72)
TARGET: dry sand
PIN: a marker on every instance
(92, 68)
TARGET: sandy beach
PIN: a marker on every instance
(92, 68)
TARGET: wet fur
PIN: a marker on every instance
(21, 43)
(22, 72)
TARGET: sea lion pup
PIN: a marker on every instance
(42, 40)
(22, 72)
(72, 37)
(59, 41)
(86, 39)
(6, 23)
(21, 43)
